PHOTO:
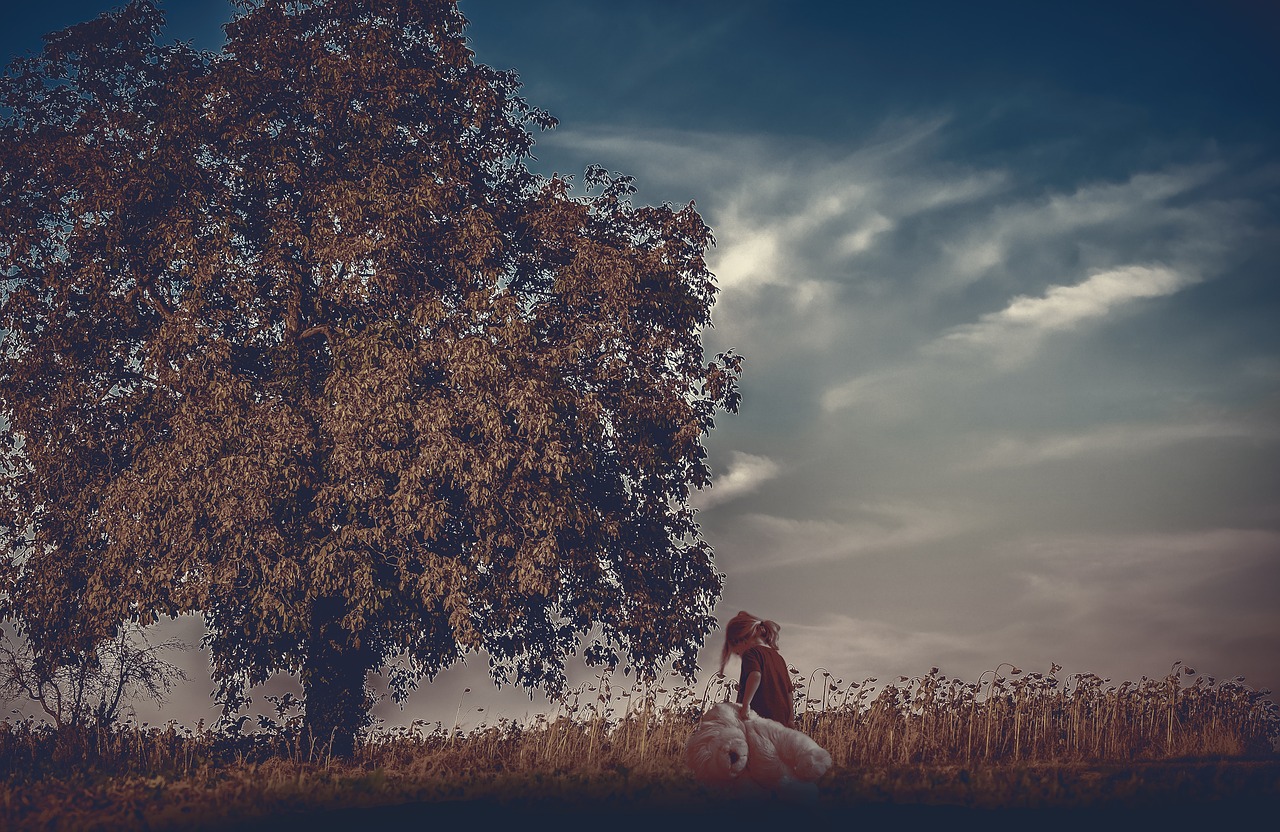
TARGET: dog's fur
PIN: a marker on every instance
(725, 750)
(717, 751)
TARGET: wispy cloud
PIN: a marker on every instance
(925, 339)
(746, 473)
(888, 392)
(873, 251)
(1126, 439)
(787, 214)
(1152, 598)
(1036, 238)
(1177, 583)
(1009, 337)
(768, 541)
(788, 224)
(855, 648)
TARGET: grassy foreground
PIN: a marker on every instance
(1005, 743)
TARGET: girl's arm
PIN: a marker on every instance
(753, 684)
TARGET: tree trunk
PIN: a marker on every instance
(333, 680)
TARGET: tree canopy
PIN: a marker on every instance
(293, 338)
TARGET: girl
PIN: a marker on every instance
(765, 684)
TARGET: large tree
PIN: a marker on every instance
(294, 339)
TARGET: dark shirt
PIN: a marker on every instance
(773, 698)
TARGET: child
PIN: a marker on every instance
(765, 683)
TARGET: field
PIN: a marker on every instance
(1010, 748)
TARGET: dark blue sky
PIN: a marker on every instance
(1005, 275)
(828, 68)
(834, 68)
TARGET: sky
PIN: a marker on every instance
(1006, 278)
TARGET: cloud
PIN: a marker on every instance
(788, 213)
(768, 541)
(1064, 306)
(1095, 221)
(885, 250)
(1127, 439)
(790, 225)
(853, 649)
(754, 257)
(888, 392)
(863, 237)
(1050, 265)
(1011, 335)
(747, 472)
(1195, 588)
(1151, 598)
(920, 332)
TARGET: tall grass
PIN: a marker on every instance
(624, 741)
(1016, 717)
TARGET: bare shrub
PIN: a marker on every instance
(89, 689)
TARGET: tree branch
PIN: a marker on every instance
(322, 329)
(151, 299)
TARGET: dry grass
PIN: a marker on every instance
(1017, 717)
(1007, 739)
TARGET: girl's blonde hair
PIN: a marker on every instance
(745, 627)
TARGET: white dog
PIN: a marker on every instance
(717, 751)
(725, 750)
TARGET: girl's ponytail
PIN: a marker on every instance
(769, 632)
